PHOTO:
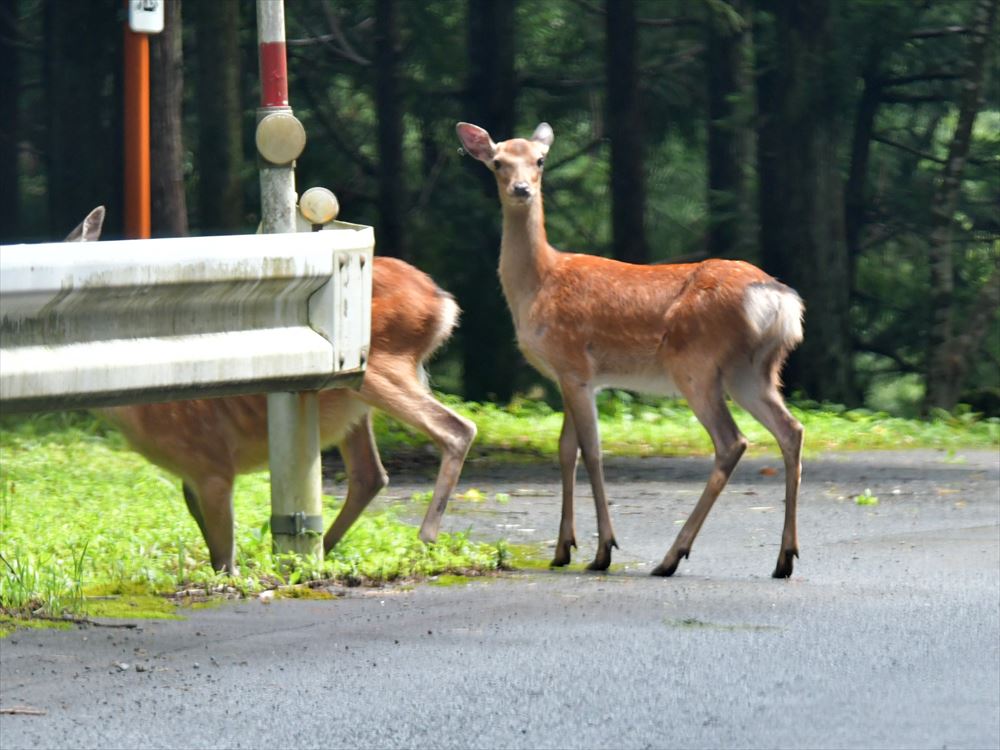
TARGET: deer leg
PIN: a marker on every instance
(192, 504)
(578, 400)
(729, 444)
(768, 408)
(408, 400)
(215, 499)
(569, 454)
(365, 478)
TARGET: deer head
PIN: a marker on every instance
(516, 163)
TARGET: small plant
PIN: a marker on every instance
(866, 498)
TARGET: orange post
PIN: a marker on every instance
(137, 172)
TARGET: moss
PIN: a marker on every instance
(133, 607)
(449, 580)
(10, 624)
(303, 592)
(526, 557)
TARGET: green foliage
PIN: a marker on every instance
(82, 516)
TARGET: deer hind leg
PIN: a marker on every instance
(365, 479)
(760, 396)
(213, 497)
(401, 395)
(709, 406)
(578, 401)
(569, 454)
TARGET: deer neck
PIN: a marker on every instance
(525, 254)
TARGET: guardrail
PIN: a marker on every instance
(98, 324)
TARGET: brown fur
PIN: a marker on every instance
(702, 329)
(207, 442)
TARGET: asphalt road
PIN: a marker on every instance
(888, 634)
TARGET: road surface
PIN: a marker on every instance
(887, 635)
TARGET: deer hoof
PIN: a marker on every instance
(664, 571)
(669, 565)
(561, 559)
(428, 536)
(563, 554)
(785, 563)
(603, 559)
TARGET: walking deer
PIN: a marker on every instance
(700, 329)
(207, 442)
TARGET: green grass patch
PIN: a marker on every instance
(635, 426)
(82, 519)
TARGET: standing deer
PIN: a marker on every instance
(207, 442)
(701, 329)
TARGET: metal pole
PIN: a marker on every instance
(137, 171)
(293, 418)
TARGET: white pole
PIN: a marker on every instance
(293, 418)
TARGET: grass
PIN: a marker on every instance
(88, 527)
(85, 522)
(633, 426)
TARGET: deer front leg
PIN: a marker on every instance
(578, 400)
(569, 453)
(214, 496)
(365, 478)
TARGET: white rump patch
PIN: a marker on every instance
(774, 312)
(450, 312)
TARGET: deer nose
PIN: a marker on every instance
(521, 190)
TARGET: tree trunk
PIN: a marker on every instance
(801, 193)
(220, 148)
(83, 49)
(628, 193)
(166, 72)
(946, 363)
(10, 84)
(489, 355)
(730, 139)
(855, 198)
(391, 228)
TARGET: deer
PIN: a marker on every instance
(588, 322)
(208, 442)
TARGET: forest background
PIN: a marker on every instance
(849, 147)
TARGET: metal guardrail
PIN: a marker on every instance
(98, 324)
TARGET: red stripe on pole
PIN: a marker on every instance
(273, 75)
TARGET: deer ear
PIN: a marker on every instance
(543, 134)
(88, 230)
(476, 141)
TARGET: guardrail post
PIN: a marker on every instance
(293, 418)
(296, 479)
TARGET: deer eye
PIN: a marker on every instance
(496, 164)
(541, 162)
